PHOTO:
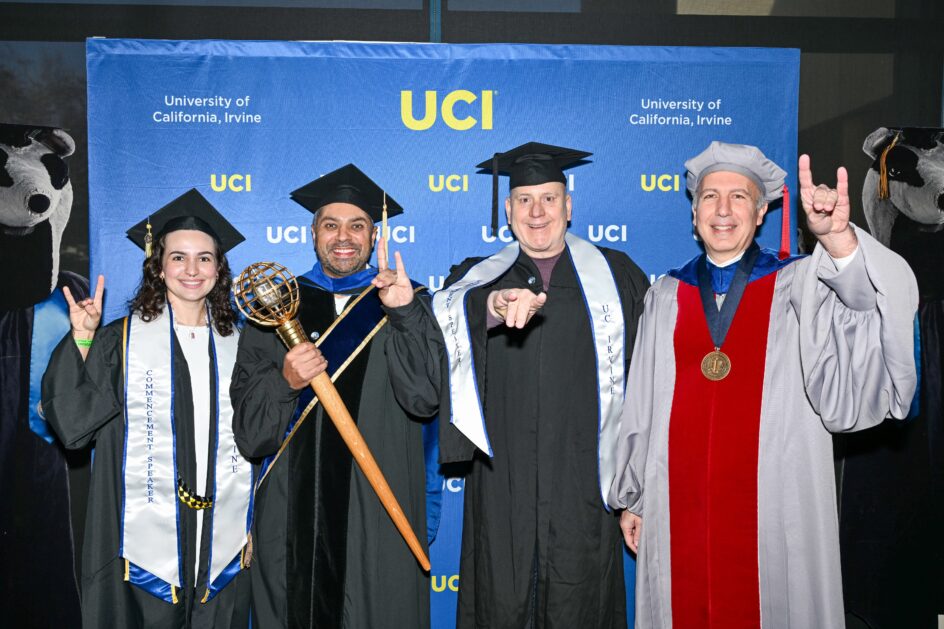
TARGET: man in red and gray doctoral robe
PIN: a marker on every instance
(744, 364)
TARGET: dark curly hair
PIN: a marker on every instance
(151, 296)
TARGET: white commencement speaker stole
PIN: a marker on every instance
(609, 337)
(150, 526)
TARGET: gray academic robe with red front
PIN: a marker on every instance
(747, 535)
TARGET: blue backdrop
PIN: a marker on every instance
(248, 122)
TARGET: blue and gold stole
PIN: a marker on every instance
(340, 344)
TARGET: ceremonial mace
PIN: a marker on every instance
(267, 293)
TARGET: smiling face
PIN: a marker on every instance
(343, 235)
(726, 214)
(189, 266)
(538, 217)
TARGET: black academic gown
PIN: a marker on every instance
(84, 404)
(538, 547)
(325, 552)
(892, 573)
(35, 524)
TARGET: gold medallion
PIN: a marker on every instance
(716, 365)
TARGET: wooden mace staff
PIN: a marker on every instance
(267, 293)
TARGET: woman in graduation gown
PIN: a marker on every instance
(169, 505)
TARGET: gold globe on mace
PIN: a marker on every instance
(267, 293)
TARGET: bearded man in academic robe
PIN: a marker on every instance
(326, 555)
(525, 354)
(744, 364)
(170, 499)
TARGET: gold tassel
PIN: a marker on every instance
(173, 594)
(384, 216)
(148, 239)
(127, 570)
(206, 596)
(246, 559)
(883, 169)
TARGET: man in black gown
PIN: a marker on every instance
(325, 552)
(538, 336)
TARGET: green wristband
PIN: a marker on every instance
(83, 342)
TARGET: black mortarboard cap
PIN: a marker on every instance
(891, 159)
(347, 184)
(188, 211)
(530, 164)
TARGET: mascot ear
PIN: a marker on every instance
(58, 141)
(876, 142)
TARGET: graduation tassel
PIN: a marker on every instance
(785, 225)
(148, 239)
(385, 231)
(246, 552)
(385, 234)
(883, 169)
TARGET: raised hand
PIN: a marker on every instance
(394, 287)
(515, 305)
(827, 210)
(85, 315)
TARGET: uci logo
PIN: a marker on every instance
(436, 282)
(443, 581)
(504, 234)
(402, 233)
(235, 183)
(664, 183)
(452, 183)
(453, 485)
(447, 110)
(293, 234)
(609, 233)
